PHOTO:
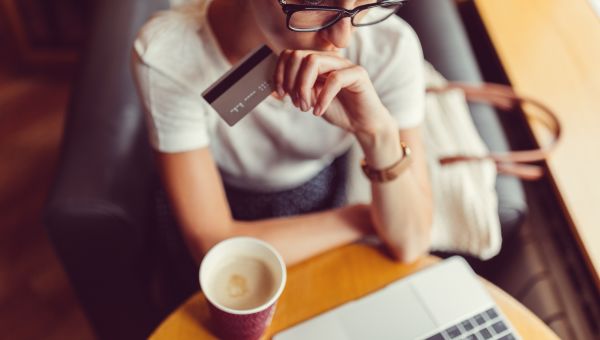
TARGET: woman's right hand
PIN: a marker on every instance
(334, 88)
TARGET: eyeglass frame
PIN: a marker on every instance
(290, 9)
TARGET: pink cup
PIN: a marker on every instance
(241, 323)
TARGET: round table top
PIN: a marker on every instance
(330, 280)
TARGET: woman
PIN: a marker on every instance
(335, 82)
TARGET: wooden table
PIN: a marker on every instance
(550, 49)
(330, 280)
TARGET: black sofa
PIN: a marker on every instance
(100, 214)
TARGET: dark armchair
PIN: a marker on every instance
(100, 214)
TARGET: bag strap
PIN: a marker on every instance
(504, 98)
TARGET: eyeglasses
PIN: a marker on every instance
(309, 18)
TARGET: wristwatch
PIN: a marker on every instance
(390, 173)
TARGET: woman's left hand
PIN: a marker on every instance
(333, 87)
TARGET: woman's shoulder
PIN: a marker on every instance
(387, 43)
(388, 35)
(387, 38)
(171, 33)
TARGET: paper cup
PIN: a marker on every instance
(233, 277)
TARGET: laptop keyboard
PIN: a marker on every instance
(483, 326)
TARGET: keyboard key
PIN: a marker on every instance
(453, 332)
(436, 337)
(508, 337)
(467, 325)
(479, 319)
(492, 314)
(471, 337)
(499, 327)
(485, 333)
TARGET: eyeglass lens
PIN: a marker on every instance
(316, 19)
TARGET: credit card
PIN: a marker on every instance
(243, 87)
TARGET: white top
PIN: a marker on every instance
(277, 146)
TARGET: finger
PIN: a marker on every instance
(315, 94)
(336, 81)
(313, 66)
(305, 80)
(291, 70)
(276, 95)
(280, 72)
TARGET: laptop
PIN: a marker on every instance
(443, 302)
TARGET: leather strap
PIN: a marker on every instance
(392, 172)
(504, 98)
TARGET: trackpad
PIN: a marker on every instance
(324, 326)
(395, 312)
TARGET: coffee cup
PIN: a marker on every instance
(242, 278)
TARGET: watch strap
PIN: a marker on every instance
(390, 173)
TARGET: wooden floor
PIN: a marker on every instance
(36, 301)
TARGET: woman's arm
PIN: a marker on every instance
(198, 199)
(343, 94)
(401, 209)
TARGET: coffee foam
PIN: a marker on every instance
(242, 283)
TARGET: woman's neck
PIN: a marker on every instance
(234, 28)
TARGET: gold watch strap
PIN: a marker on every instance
(390, 173)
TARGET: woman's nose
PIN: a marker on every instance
(339, 34)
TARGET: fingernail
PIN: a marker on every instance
(317, 110)
(280, 91)
(305, 106)
(295, 100)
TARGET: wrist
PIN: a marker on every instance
(381, 147)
